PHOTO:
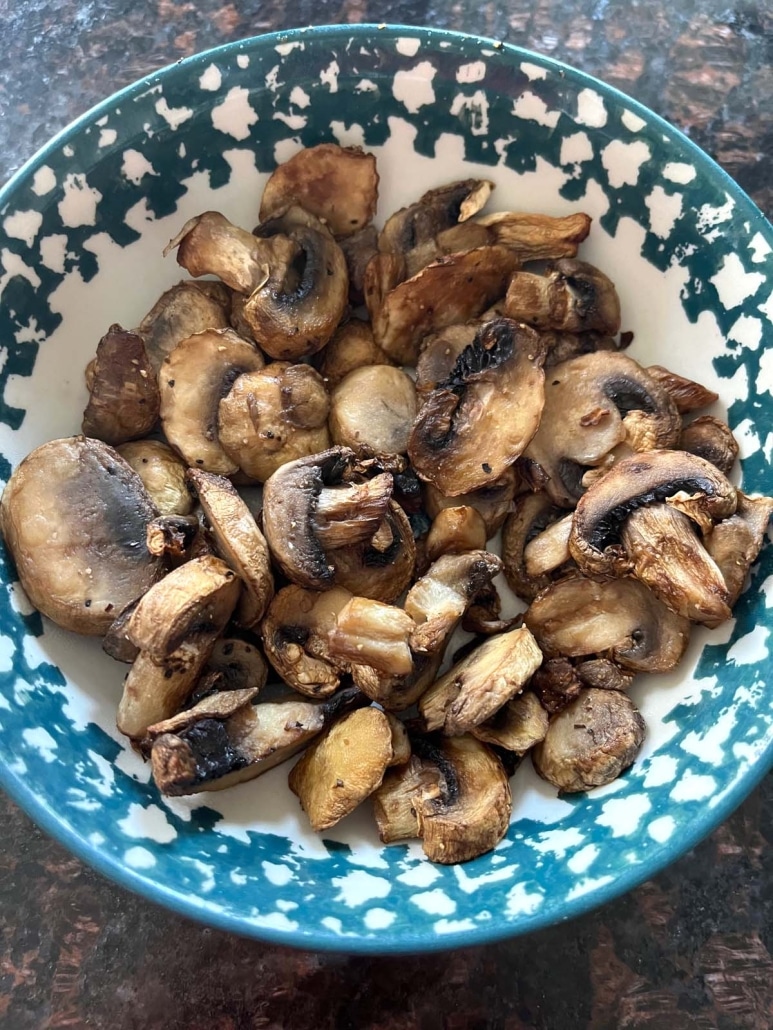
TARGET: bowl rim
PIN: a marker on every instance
(485, 933)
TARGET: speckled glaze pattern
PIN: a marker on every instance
(695, 264)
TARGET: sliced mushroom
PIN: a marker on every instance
(574, 296)
(371, 633)
(295, 638)
(556, 684)
(238, 541)
(359, 249)
(712, 439)
(563, 346)
(620, 619)
(74, 517)
(116, 643)
(477, 686)
(273, 416)
(345, 766)
(307, 510)
(455, 530)
(439, 354)
(492, 502)
(193, 379)
(438, 600)
(684, 481)
(123, 395)
(517, 726)
(549, 550)
(182, 311)
(382, 567)
(396, 693)
(531, 237)
(162, 473)
(298, 306)
(352, 347)
(735, 542)
(173, 537)
(373, 410)
(237, 664)
(451, 290)
(227, 740)
(394, 801)
(686, 394)
(594, 404)
(531, 515)
(482, 418)
(591, 742)
(484, 615)
(604, 674)
(197, 597)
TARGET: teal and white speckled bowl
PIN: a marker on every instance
(81, 232)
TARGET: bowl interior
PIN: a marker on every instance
(81, 233)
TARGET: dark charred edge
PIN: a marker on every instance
(407, 490)
(627, 395)
(583, 289)
(570, 474)
(290, 635)
(372, 558)
(346, 700)
(214, 754)
(550, 514)
(428, 750)
(480, 574)
(510, 760)
(421, 524)
(115, 642)
(492, 346)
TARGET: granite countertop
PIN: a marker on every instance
(690, 950)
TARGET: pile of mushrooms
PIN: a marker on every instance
(289, 490)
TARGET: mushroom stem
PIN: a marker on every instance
(548, 549)
(374, 634)
(350, 514)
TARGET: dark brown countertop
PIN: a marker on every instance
(691, 950)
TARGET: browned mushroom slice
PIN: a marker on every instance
(591, 742)
(484, 615)
(173, 537)
(467, 813)
(451, 290)
(295, 638)
(373, 410)
(396, 693)
(438, 600)
(574, 296)
(116, 643)
(492, 502)
(556, 684)
(455, 530)
(185, 309)
(193, 379)
(517, 726)
(382, 567)
(549, 550)
(238, 541)
(163, 474)
(371, 633)
(686, 482)
(124, 400)
(345, 766)
(531, 237)
(735, 542)
(563, 346)
(337, 184)
(712, 439)
(439, 354)
(352, 347)
(481, 419)
(273, 416)
(211, 245)
(394, 801)
(298, 306)
(197, 597)
(238, 665)
(477, 686)
(358, 250)
(532, 514)
(226, 739)
(74, 517)
(686, 394)
(604, 674)
(620, 619)
(593, 404)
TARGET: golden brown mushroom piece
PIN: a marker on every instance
(574, 296)
(183, 310)
(352, 347)
(337, 184)
(492, 502)
(439, 353)
(373, 410)
(517, 726)
(374, 634)
(346, 765)
(531, 237)
(174, 537)
(74, 517)
(590, 742)
(532, 514)
(228, 739)
(686, 394)
(124, 400)
(382, 567)
(481, 419)
(234, 664)
(359, 250)
(712, 439)
(193, 379)
(735, 542)
(162, 473)
(455, 530)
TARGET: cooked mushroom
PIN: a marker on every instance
(185, 309)
(531, 515)
(439, 354)
(563, 346)
(382, 567)
(735, 542)
(373, 409)
(74, 517)
(123, 395)
(395, 693)
(193, 379)
(593, 404)
(451, 290)
(549, 550)
(455, 530)
(238, 541)
(686, 394)
(371, 633)
(591, 742)
(484, 615)
(477, 686)
(604, 674)
(295, 638)
(198, 596)
(492, 502)
(531, 237)
(308, 511)
(556, 684)
(352, 347)
(173, 537)
(620, 619)
(394, 801)
(273, 416)
(237, 664)
(574, 296)
(162, 473)
(359, 249)
(297, 307)
(481, 419)
(712, 439)
(684, 481)
(116, 643)
(346, 765)
(438, 600)
(517, 726)
(226, 739)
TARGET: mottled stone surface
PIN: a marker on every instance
(690, 950)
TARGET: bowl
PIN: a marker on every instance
(82, 227)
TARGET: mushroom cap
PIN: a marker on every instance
(492, 502)
(373, 409)
(574, 296)
(735, 542)
(74, 517)
(454, 530)
(162, 473)
(439, 353)
(411, 228)
(382, 567)
(352, 347)
(517, 726)
(123, 394)
(185, 309)
(712, 439)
